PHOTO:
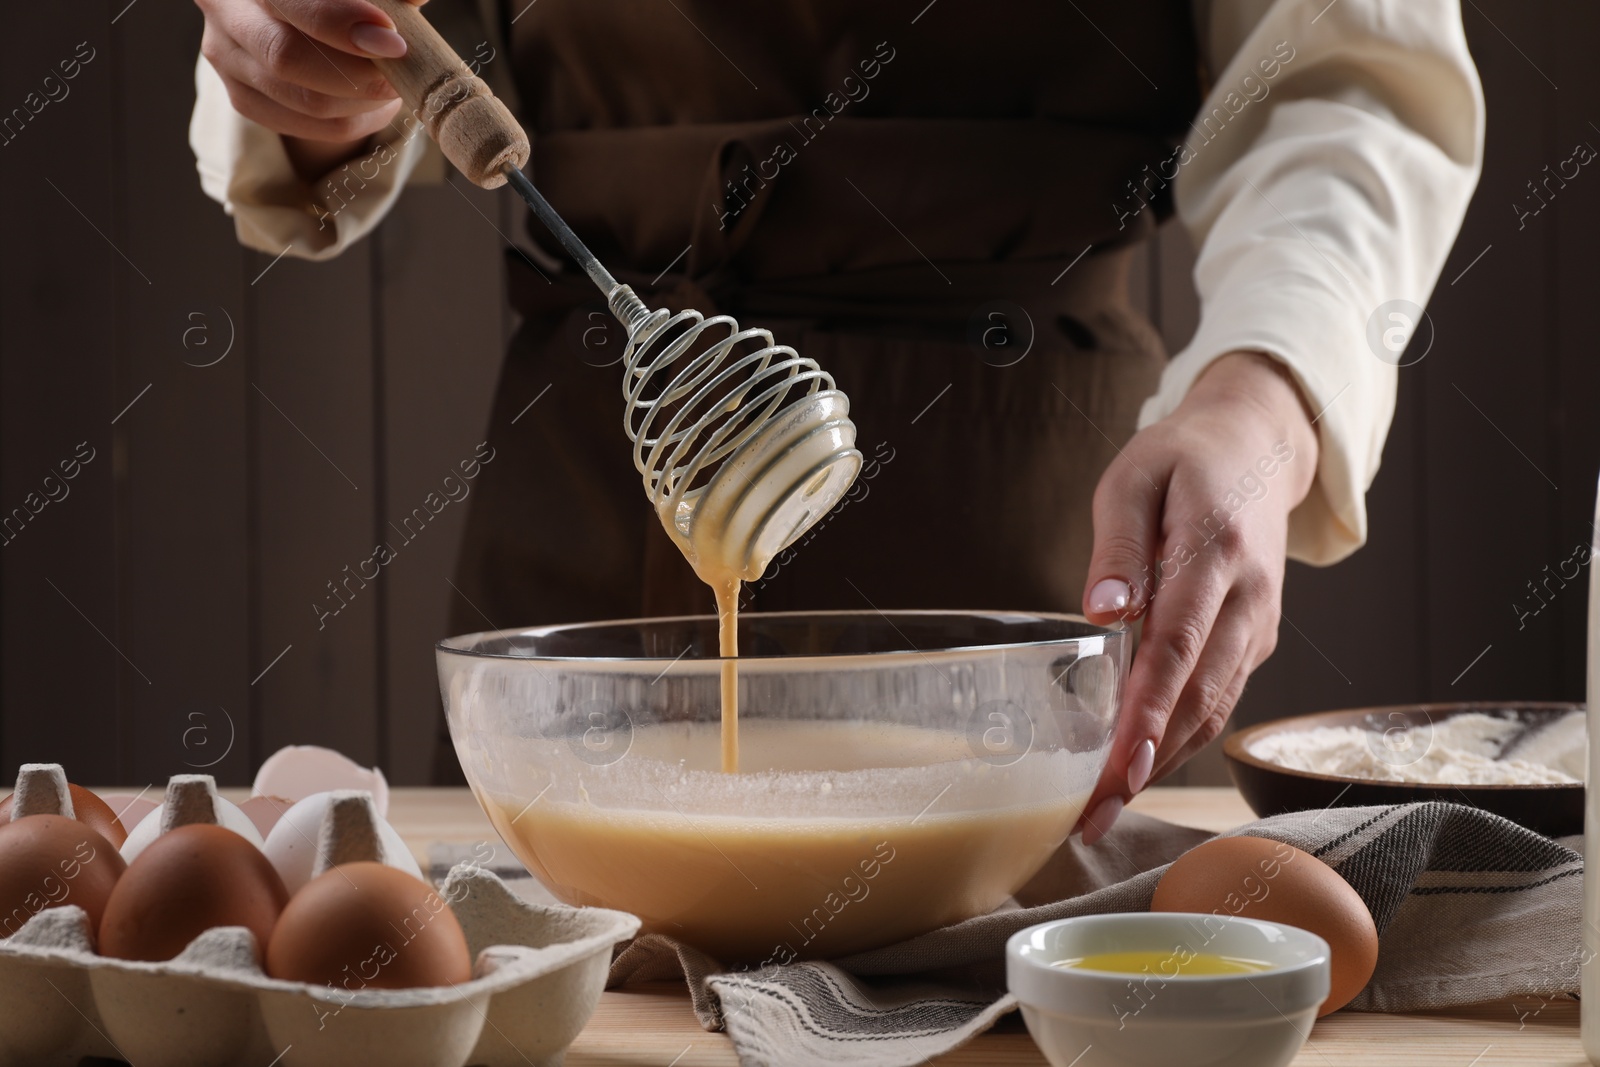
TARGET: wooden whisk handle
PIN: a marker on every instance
(476, 131)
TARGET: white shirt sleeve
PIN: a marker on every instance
(244, 167)
(1326, 174)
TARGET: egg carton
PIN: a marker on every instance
(538, 973)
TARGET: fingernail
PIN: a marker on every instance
(377, 40)
(1140, 766)
(1109, 596)
(1098, 821)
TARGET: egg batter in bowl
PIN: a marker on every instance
(898, 771)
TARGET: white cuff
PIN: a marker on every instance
(1327, 175)
(245, 167)
(1271, 300)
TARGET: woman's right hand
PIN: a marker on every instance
(304, 68)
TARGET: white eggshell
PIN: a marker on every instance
(228, 816)
(292, 845)
(298, 771)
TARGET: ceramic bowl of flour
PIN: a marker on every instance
(1523, 761)
(894, 772)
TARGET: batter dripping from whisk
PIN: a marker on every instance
(745, 445)
(709, 550)
(728, 649)
(724, 582)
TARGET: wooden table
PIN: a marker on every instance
(653, 1026)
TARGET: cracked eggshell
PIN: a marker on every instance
(293, 843)
(191, 798)
(265, 812)
(130, 808)
(299, 771)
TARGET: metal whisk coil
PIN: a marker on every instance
(741, 451)
(743, 443)
(699, 392)
(716, 381)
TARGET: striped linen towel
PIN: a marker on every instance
(1469, 908)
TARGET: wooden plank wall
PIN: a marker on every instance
(160, 618)
(159, 615)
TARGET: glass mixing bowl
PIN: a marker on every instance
(898, 771)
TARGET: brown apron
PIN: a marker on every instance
(909, 204)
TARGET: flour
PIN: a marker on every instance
(1563, 745)
(1468, 749)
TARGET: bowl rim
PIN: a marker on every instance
(1119, 631)
(1062, 983)
(1235, 746)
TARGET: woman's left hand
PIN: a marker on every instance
(1190, 527)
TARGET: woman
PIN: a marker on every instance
(938, 204)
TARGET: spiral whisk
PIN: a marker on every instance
(743, 443)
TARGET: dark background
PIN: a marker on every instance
(158, 619)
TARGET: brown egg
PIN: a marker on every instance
(368, 926)
(47, 861)
(1256, 878)
(187, 881)
(87, 809)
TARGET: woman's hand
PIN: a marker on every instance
(304, 69)
(1190, 526)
